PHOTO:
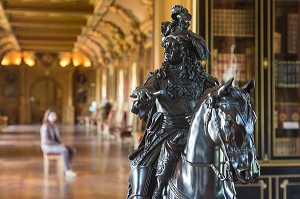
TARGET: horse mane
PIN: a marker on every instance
(229, 108)
(235, 93)
(210, 91)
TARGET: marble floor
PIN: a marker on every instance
(102, 166)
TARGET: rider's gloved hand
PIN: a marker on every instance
(143, 95)
(143, 100)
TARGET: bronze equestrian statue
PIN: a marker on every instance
(223, 119)
(168, 97)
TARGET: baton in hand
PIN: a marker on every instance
(157, 93)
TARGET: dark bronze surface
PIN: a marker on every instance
(223, 118)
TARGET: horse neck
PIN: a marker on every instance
(200, 151)
(199, 147)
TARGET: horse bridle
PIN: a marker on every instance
(225, 174)
(218, 173)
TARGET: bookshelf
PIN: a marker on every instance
(286, 84)
(260, 39)
(242, 35)
(233, 38)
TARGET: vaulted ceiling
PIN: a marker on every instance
(98, 29)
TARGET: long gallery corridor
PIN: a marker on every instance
(102, 166)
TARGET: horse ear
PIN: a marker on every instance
(225, 89)
(249, 86)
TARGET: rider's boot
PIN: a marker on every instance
(141, 183)
(169, 155)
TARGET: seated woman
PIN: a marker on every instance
(51, 143)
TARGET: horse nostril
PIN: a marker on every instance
(255, 176)
(244, 175)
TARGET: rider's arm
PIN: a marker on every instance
(143, 98)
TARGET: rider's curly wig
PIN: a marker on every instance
(185, 80)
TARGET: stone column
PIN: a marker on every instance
(104, 82)
(98, 97)
(24, 110)
(162, 12)
(68, 108)
(112, 80)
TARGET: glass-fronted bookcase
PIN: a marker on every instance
(260, 39)
(232, 36)
(286, 79)
(233, 40)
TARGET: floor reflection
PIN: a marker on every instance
(102, 166)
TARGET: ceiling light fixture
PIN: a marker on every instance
(29, 58)
(4, 62)
(64, 62)
(87, 63)
(12, 58)
(65, 59)
(75, 62)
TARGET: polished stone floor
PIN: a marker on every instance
(102, 166)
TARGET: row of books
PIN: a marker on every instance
(287, 73)
(233, 22)
(288, 27)
(277, 42)
(287, 146)
(237, 65)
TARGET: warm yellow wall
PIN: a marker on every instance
(162, 12)
(29, 76)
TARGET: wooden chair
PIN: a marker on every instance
(100, 121)
(92, 120)
(116, 120)
(58, 158)
(107, 126)
(123, 128)
(89, 120)
(3, 120)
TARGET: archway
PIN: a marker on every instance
(45, 93)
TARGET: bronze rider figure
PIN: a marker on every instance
(168, 97)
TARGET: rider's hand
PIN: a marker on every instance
(143, 100)
(143, 95)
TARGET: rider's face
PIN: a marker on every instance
(172, 53)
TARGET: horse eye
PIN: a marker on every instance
(228, 123)
(228, 117)
(249, 128)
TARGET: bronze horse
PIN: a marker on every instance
(223, 118)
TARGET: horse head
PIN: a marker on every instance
(231, 126)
